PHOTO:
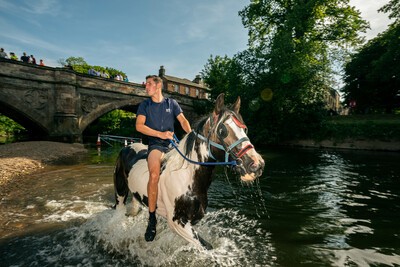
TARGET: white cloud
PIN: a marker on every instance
(42, 7)
(369, 11)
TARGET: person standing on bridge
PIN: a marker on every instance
(24, 58)
(13, 56)
(155, 119)
(33, 60)
(3, 54)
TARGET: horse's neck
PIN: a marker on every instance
(203, 175)
(198, 152)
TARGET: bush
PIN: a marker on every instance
(361, 127)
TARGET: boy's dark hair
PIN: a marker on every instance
(155, 78)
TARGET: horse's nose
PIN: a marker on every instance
(256, 167)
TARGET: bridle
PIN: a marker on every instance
(222, 133)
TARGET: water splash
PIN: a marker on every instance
(110, 238)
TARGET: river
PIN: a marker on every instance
(310, 208)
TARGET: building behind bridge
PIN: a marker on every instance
(175, 85)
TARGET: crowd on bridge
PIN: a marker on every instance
(104, 74)
(32, 60)
(24, 58)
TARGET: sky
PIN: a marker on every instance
(137, 36)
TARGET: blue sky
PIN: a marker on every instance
(136, 36)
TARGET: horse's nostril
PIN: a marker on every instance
(254, 167)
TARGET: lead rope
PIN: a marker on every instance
(173, 143)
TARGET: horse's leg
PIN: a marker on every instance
(187, 232)
(120, 184)
(135, 207)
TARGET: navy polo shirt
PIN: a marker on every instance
(160, 117)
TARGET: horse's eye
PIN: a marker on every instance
(222, 131)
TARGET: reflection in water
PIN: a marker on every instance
(311, 207)
(328, 204)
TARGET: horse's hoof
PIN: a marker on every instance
(205, 244)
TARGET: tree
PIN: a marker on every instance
(393, 8)
(116, 122)
(223, 74)
(76, 61)
(9, 127)
(288, 66)
(291, 48)
(372, 75)
(78, 64)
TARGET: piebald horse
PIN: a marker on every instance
(183, 185)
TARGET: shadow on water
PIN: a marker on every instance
(310, 208)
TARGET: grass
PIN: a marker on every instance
(361, 127)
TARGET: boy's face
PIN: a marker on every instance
(151, 87)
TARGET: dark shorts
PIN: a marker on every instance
(161, 148)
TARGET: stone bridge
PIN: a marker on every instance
(59, 104)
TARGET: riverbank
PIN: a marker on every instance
(21, 159)
(376, 145)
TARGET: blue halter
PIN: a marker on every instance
(214, 144)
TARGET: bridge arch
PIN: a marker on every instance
(104, 109)
(24, 116)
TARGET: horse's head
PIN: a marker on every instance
(227, 129)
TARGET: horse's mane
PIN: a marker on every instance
(188, 141)
(192, 136)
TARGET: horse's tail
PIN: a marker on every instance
(121, 173)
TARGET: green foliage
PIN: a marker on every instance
(116, 122)
(202, 106)
(9, 127)
(223, 75)
(75, 61)
(393, 8)
(369, 81)
(361, 127)
(293, 44)
(326, 21)
(78, 64)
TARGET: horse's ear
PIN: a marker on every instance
(236, 106)
(219, 104)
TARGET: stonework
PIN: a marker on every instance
(62, 103)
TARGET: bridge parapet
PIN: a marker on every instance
(59, 103)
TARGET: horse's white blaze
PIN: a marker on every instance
(252, 153)
(239, 132)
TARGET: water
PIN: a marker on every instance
(310, 208)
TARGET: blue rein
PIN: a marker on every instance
(232, 163)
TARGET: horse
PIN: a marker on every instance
(187, 171)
